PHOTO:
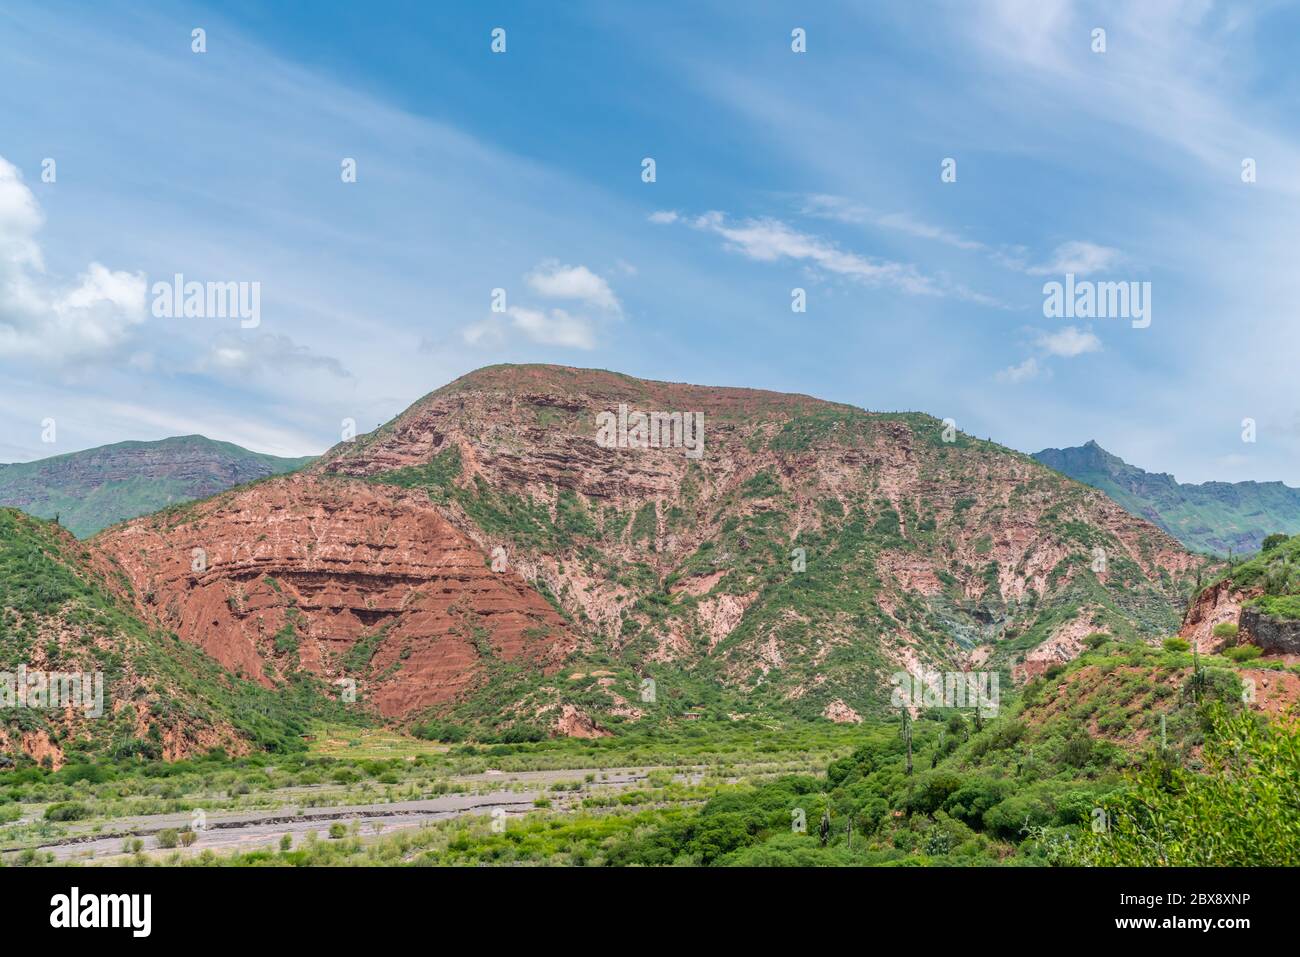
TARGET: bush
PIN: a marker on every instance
(1176, 644)
(1245, 798)
(168, 838)
(1273, 541)
(286, 842)
(1225, 629)
(337, 830)
(66, 811)
(1244, 653)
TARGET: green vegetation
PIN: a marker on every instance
(57, 611)
(78, 487)
(1239, 811)
(1217, 517)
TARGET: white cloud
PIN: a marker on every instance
(554, 281)
(1069, 342)
(39, 318)
(1028, 370)
(664, 216)
(846, 211)
(770, 240)
(559, 328)
(487, 332)
(1080, 258)
(270, 354)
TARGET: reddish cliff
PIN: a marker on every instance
(342, 578)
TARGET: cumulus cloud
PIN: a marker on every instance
(1080, 258)
(41, 318)
(664, 217)
(558, 328)
(1069, 342)
(551, 280)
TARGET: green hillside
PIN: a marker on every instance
(60, 613)
(1211, 517)
(95, 488)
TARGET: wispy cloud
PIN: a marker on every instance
(270, 354)
(1026, 371)
(767, 239)
(1079, 257)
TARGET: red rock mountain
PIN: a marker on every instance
(489, 556)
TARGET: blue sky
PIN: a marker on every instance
(774, 170)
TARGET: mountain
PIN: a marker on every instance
(498, 557)
(144, 693)
(1212, 517)
(94, 488)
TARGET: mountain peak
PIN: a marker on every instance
(1213, 517)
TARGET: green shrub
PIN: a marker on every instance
(1244, 653)
(337, 830)
(66, 811)
(1225, 629)
(168, 838)
(1176, 644)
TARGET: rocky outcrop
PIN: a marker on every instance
(1218, 604)
(1277, 636)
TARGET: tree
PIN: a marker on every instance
(1273, 541)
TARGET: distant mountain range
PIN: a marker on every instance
(94, 488)
(1211, 517)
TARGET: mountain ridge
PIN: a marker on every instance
(1214, 517)
(93, 488)
(815, 549)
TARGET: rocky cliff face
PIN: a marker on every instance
(808, 551)
(1276, 636)
(1218, 604)
(350, 581)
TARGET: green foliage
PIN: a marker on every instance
(1176, 644)
(84, 488)
(66, 811)
(1241, 812)
(1273, 541)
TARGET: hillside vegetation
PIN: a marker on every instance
(95, 488)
